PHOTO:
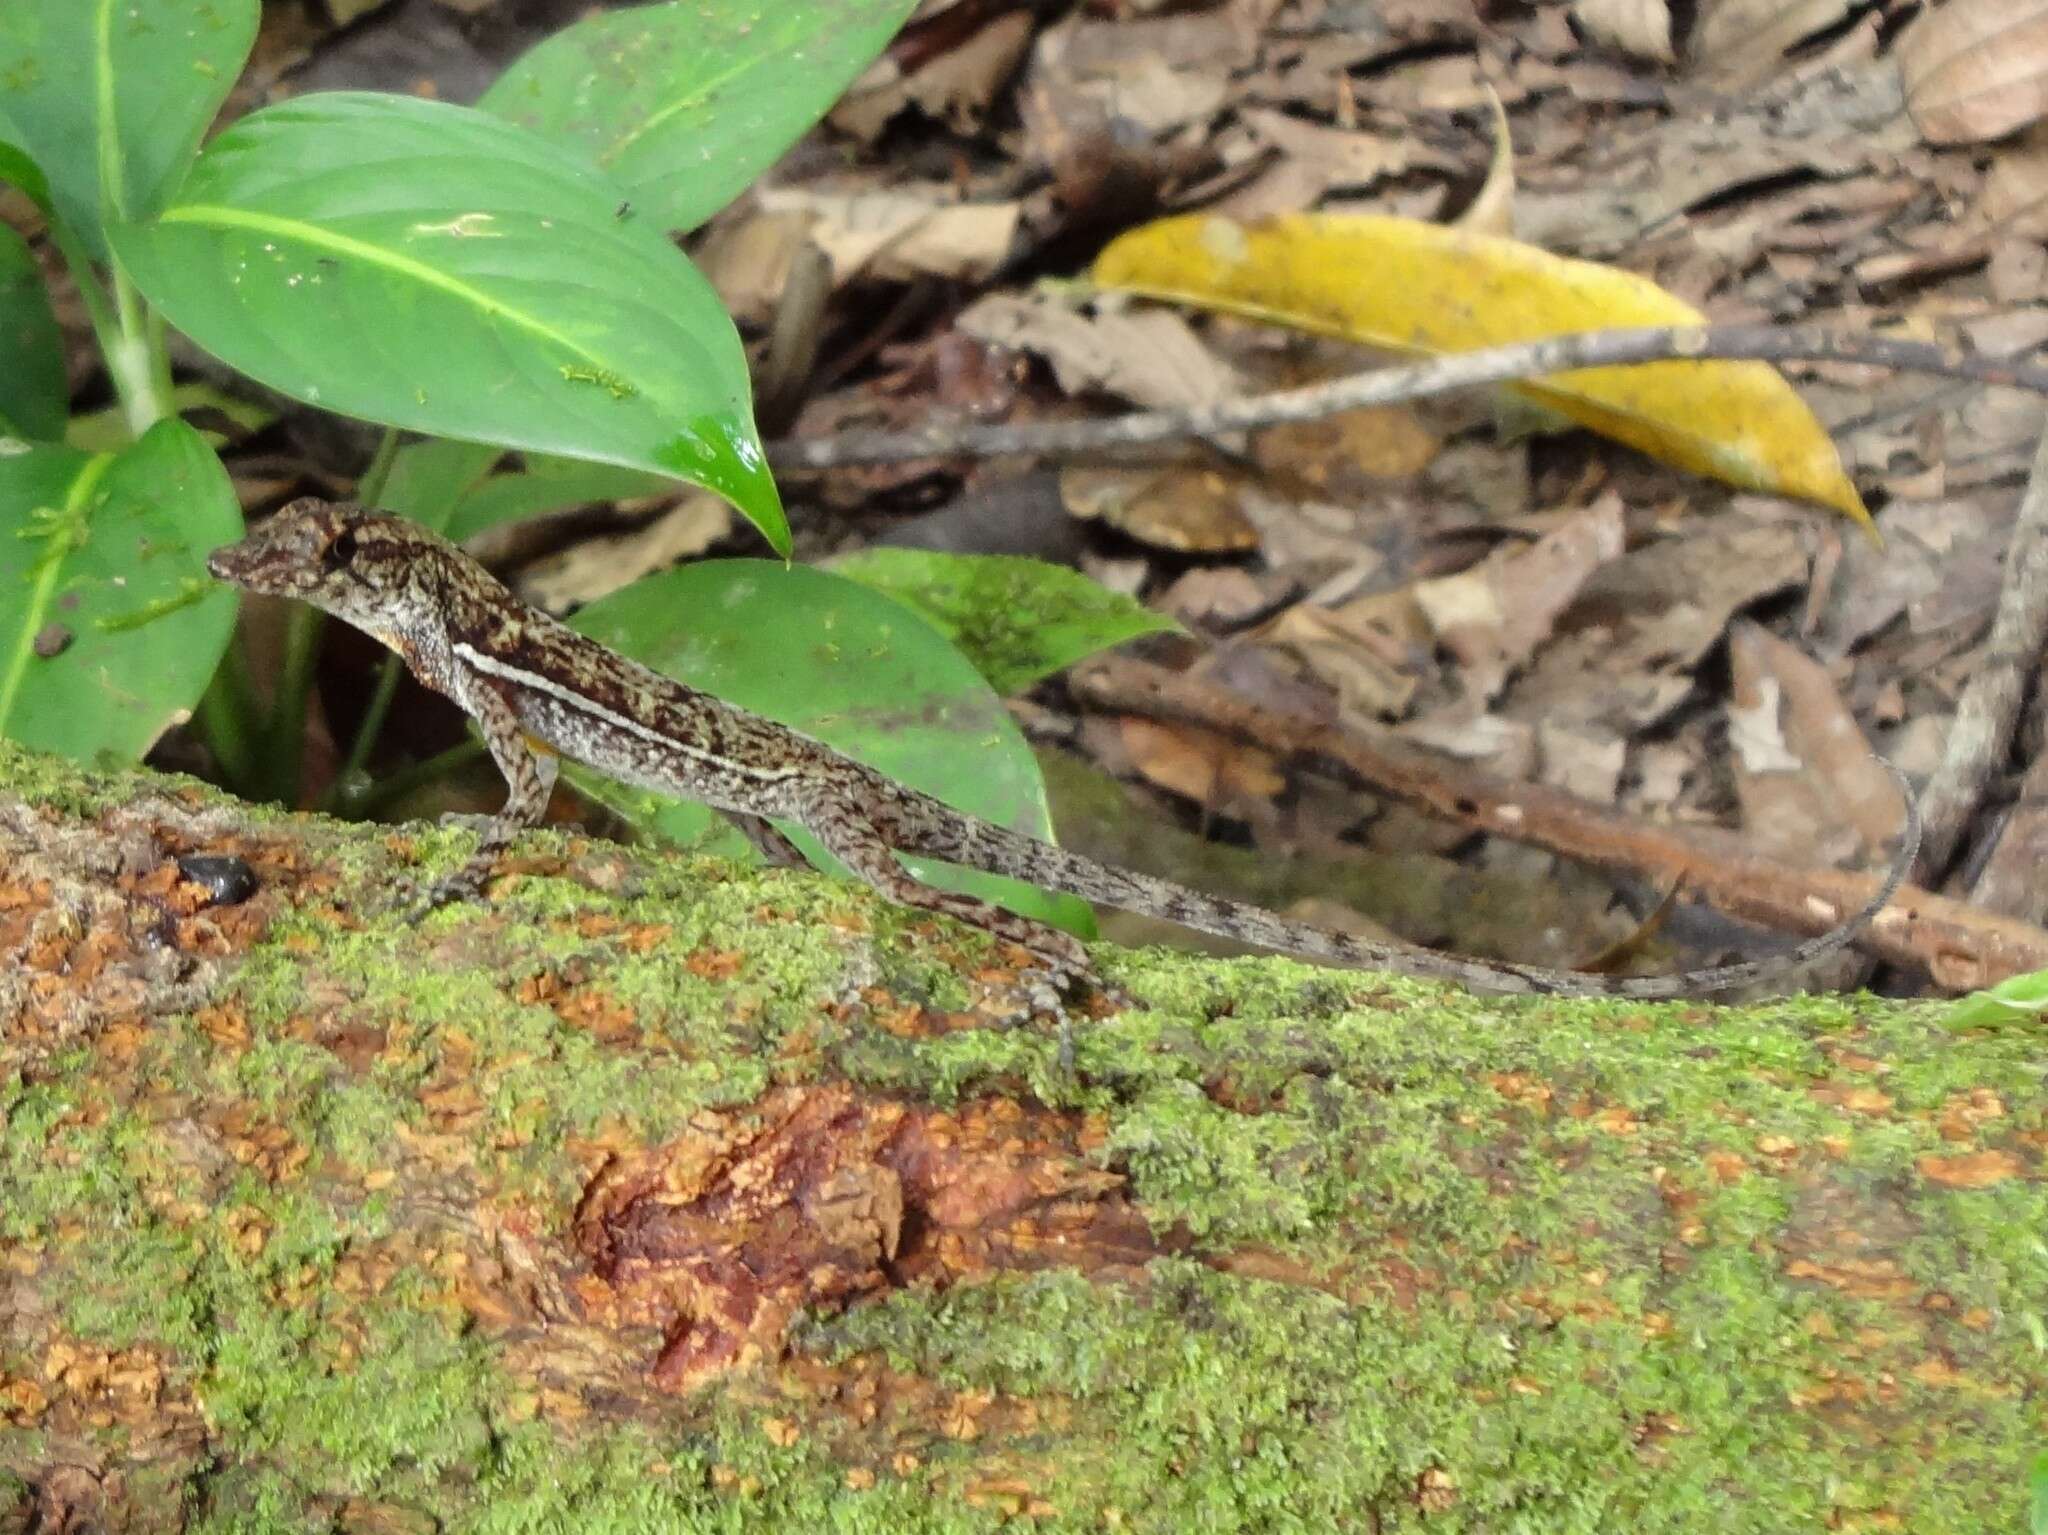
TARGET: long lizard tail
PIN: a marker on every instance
(947, 834)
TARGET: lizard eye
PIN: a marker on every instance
(340, 550)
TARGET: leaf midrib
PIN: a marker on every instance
(82, 486)
(221, 216)
(691, 98)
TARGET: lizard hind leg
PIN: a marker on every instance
(776, 850)
(857, 844)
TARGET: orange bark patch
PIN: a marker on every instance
(1973, 1170)
(815, 1197)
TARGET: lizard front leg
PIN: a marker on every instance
(529, 782)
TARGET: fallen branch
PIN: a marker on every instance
(1959, 946)
(656, 1194)
(1388, 386)
(1981, 738)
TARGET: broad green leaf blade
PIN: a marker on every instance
(849, 666)
(1018, 620)
(32, 390)
(435, 268)
(110, 97)
(18, 167)
(2018, 1000)
(429, 479)
(686, 103)
(107, 430)
(109, 625)
(545, 484)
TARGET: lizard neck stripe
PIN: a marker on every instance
(540, 682)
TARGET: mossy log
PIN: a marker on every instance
(656, 1195)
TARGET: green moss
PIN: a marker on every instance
(1550, 1267)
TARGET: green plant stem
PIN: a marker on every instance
(388, 791)
(285, 740)
(370, 485)
(370, 492)
(226, 718)
(372, 725)
(99, 310)
(136, 364)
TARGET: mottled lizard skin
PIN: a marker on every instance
(536, 688)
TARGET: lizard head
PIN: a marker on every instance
(366, 568)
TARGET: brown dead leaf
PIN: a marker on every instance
(1205, 766)
(1973, 1170)
(902, 232)
(1747, 40)
(2015, 198)
(595, 567)
(1493, 616)
(1221, 597)
(1309, 159)
(748, 260)
(1150, 357)
(1641, 28)
(956, 87)
(1381, 441)
(1583, 760)
(1181, 507)
(1492, 212)
(1147, 76)
(1349, 159)
(1370, 674)
(1976, 70)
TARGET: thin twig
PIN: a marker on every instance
(1981, 737)
(1386, 386)
(1959, 945)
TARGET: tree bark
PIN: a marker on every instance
(652, 1194)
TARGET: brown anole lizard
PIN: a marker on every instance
(537, 689)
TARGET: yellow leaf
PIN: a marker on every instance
(1416, 287)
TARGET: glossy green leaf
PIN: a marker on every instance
(845, 664)
(18, 167)
(686, 103)
(107, 430)
(429, 479)
(435, 268)
(32, 389)
(111, 97)
(2017, 1001)
(109, 625)
(1017, 620)
(545, 484)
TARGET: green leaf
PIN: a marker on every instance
(429, 479)
(1017, 620)
(2020, 999)
(111, 97)
(33, 394)
(685, 104)
(2037, 1480)
(849, 666)
(109, 625)
(434, 268)
(18, 167)
(546, 484)
(107, 430)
